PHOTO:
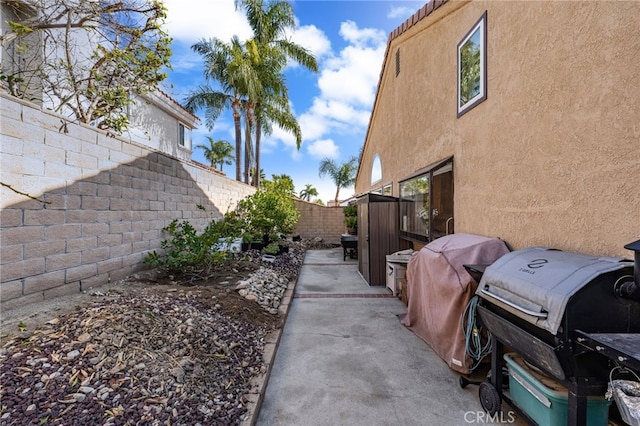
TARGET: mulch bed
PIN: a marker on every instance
(156, 350)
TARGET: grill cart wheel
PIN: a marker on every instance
(489, 398)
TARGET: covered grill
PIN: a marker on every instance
(545, 304)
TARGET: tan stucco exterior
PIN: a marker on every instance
(552, 156)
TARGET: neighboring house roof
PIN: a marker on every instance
(209, 168)
(422, 13)
(169, 105)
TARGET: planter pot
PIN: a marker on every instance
(254, 245)
(283, 249)
(352, 231)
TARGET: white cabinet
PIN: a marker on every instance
(396, 277)
(396, 270)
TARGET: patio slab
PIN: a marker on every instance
(344, 359)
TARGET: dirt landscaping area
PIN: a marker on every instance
(151, 349)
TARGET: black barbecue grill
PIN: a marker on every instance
(555, 308)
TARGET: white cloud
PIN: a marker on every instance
(360, 37)
(352, 77)
(347, 84)
(402, 12)
(324, 148)
(313, 39)
(192, 20)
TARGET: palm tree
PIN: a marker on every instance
(343, 175)
(269, 23)
(218, 152)
(229, 65)
(307, 192)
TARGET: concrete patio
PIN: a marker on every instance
(345, 359)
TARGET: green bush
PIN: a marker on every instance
(187, 251)
(351, 222)
(263, 216)
(350, 211)
(272, 249)
(270, 211)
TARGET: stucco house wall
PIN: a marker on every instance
(155, 119)
(552, 156)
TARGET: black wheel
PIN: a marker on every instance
(463, 382)
(489, 398)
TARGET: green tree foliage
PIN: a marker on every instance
(307, 192)
(343, 175)
(218, 152)
(85, 59)
(229, 77)
(250, 80)
(270, 105)
(266, 214)
(270, 210)
(188, 251)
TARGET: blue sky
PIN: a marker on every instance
(332, 106)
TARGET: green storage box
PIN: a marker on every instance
(544, 399)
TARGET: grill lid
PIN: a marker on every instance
(537, 282)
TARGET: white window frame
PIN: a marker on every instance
(184, 136)
(479, 33)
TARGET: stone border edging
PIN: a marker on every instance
(272, 341)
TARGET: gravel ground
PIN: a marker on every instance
(148, 350)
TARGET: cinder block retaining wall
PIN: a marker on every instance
(320, 221)
(101, 203)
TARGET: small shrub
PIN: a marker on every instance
(269, 212)
(350, 210)
(187, 251)
(351, 222)
(272, 249)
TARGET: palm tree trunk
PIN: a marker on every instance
(256, 175)
(236, 123)
(247, 151)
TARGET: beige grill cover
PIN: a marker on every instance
(439, 289)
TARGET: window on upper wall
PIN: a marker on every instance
(387, 190)
(472, 67)
(184, 136)
(397, 62)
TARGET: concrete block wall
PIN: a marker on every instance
(80, 208)
(320, 221)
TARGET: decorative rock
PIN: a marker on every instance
(73, 354)
(264, 286)
(142, 356)
(84, 338)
